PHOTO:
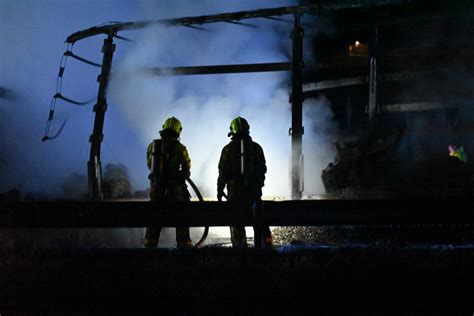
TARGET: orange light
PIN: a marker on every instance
(350, 48)
(357, 43)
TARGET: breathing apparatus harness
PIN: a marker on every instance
(156, 178)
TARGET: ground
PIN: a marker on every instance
(290, 279)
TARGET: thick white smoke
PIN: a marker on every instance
(206, 104)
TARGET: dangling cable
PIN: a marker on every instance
(71, 54)
(201, 199)
(52, 107)
(123, 38)
(45, 138)
(59, 85)
(59, 96)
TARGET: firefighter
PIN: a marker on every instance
(242, 169)
(169, 163)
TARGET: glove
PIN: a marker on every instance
(220, 195)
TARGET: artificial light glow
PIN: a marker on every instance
(357, 43)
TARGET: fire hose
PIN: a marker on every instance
(206, 228)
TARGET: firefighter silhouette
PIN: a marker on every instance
(169, 163)
(242, 169)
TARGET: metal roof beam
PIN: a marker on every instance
(320, 6)
(217, 69)
(359, 80)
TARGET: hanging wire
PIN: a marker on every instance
(69, 53)
(60, 96)
(46, 137)
(59, 86)
(52, 106)
(123, 38)
(62, 67)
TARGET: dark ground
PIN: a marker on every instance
(289, 280)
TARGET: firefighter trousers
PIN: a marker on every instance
(152, 237)
(239, 237)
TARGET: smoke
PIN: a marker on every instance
(318, 143)
(206, 104)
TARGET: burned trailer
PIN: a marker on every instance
(111, 30)
(301, 74)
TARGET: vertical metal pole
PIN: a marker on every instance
(94, 165)
(297, 129)
(258, 228)
(373, 74)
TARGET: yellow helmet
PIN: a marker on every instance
(173, 124)
(238, 125)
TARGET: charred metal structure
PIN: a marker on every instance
(296, 66)
(379, 69)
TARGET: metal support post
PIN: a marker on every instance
(94, 165)
(258, 237)
(297, 130)
(373, 44)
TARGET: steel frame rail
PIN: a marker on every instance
(314, 8)
(75, 214)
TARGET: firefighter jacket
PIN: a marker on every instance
(170, 165)
(242, 168)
